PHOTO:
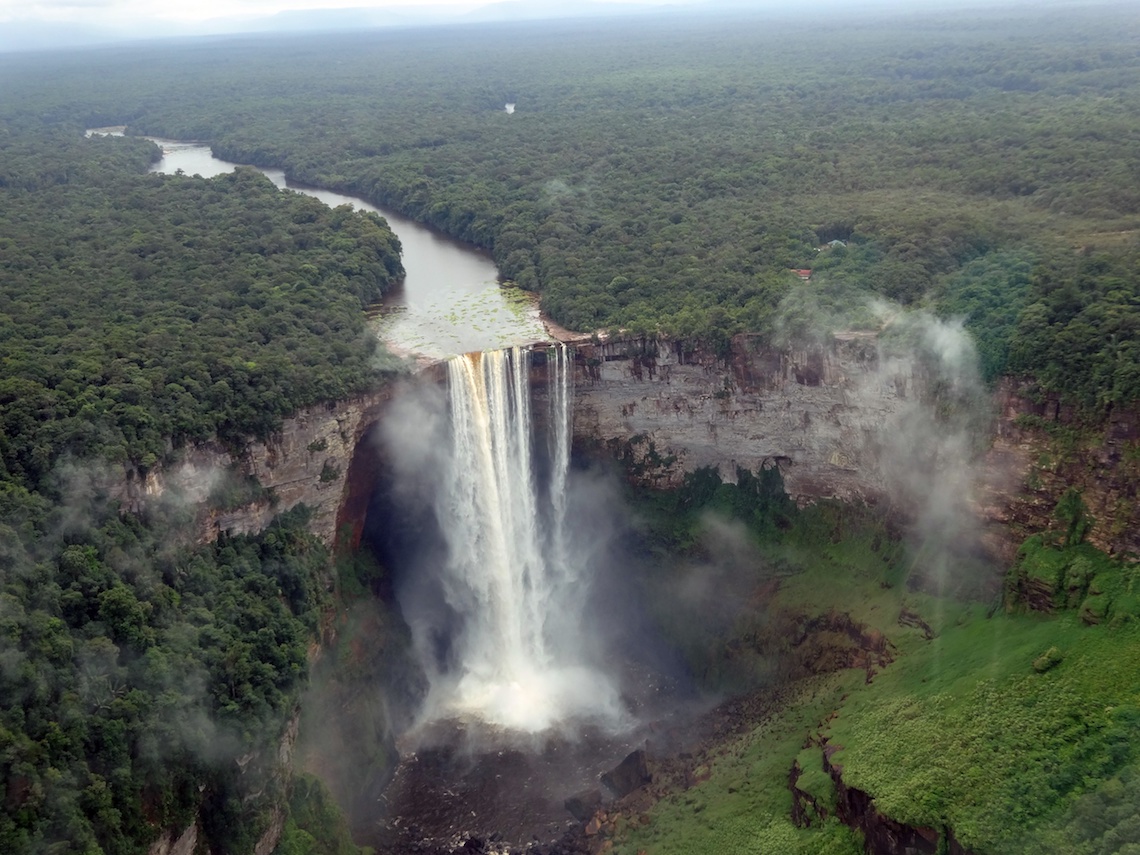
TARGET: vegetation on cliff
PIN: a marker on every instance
(660, 180)
(140, 311)
(145, 685)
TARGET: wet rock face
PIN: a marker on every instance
(828, 416)
(816, 412)
(168, 843)
(582, 805)
(628, 775)
(821, 414)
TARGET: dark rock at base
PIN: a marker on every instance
(573, 842)
(582, 805)
(628, 775)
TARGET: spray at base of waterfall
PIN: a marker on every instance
(498, 610)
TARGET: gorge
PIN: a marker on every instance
(843, 417)
(665, 417)
(820, 537)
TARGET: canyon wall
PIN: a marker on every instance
(322, 457)
(837, 419)
(240, 491)
(819, 412)
(1047, 448)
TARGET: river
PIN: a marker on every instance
(451, 300)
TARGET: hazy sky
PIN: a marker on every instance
(116, 12)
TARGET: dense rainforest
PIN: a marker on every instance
(665, 178)
(140, 313)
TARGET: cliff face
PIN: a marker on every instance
(268, 774)
(1045, 447)
(185, 843)
(843, 421)
(323, 458)
(818, 413)
(240, 491)
(837, 419)
(881, 834)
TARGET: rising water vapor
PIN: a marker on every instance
(928, 447)
(507, 644)
(932, 445)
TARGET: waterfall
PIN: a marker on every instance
(509, 573)
(560, 383)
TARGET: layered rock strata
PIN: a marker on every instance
(834, 417)
(818, 412)
(1041, 448)
(309, 461)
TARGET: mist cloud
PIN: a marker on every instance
(928, 450)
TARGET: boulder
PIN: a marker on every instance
(630, 774)
(582, 805)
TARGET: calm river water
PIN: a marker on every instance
(451, 300)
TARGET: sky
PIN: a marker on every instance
(45, 24)
(117, 12)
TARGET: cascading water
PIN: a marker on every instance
(507, 563)
(509, 573)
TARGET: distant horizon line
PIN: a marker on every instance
(26, 35)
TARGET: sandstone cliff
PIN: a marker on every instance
(308, 462)
(821, 413)
(843, 421)
(1045, 447)
(840, 420)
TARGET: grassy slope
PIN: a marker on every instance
(966, 733)
(745, 805)
(961, 731)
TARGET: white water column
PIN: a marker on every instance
(560, 383)
(508, 568)
(492, 515)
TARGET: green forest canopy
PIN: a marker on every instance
(139, 312)
(665, 177)
(142, 310)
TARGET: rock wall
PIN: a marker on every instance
(185, 843)
(1042, 447)
(282, 766)
(827, 415)
(837, 419)
(323, 458)
(817, 412)
(307, 462)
